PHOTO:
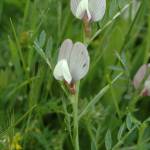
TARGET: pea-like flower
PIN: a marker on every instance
(143, 76)
(93, 10)
(73, 62)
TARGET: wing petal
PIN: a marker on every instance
(83, 10)
(74, 5)
(61, 71)
(97, 9)
(80, 8)
(65, 50)
(79, 61)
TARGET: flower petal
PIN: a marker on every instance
(65, 50)
(83, 10)
(79, 61)
(97, 9)
(80, 9)
(61, 71)
(74, 5)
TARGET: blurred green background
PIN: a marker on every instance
(35, 113)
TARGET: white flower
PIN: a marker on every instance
(143, 75)
(73, 62)
(94, 10)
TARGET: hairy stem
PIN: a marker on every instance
(74, 101)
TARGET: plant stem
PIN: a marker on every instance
(74, 101)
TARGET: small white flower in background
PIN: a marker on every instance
(140, 77)
(93, 10)
(73, 62)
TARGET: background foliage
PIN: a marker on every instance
(35, 113)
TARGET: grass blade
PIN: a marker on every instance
(98, 96)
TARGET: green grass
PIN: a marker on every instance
(38, 113)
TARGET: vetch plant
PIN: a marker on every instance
(91, 10)
(72, 66)
(73, 63)
(143, 75)
(88, 11)
(103, 112)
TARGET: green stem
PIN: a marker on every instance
(115, 101)
(74, 101)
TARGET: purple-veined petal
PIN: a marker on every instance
(65, 50)
(97, 9)
(74, 5)
(79, 61)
